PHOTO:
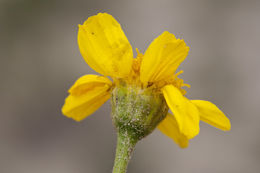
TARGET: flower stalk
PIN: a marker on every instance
(125, 147)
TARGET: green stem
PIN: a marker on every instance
(125, 146)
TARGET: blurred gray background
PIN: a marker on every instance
(40, 60)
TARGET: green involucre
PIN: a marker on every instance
(137, 111)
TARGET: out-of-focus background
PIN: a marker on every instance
(40, 60)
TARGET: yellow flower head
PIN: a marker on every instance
(107, 50)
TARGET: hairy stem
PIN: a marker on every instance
(125, 147)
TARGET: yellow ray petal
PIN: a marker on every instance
(88, 82)
(162, 58)
(186, 114)
(86, 96)
(104, 46)
(170, 128)
(212, 115)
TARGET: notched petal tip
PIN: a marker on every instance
(162, 58)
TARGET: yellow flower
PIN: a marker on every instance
(107, 50)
